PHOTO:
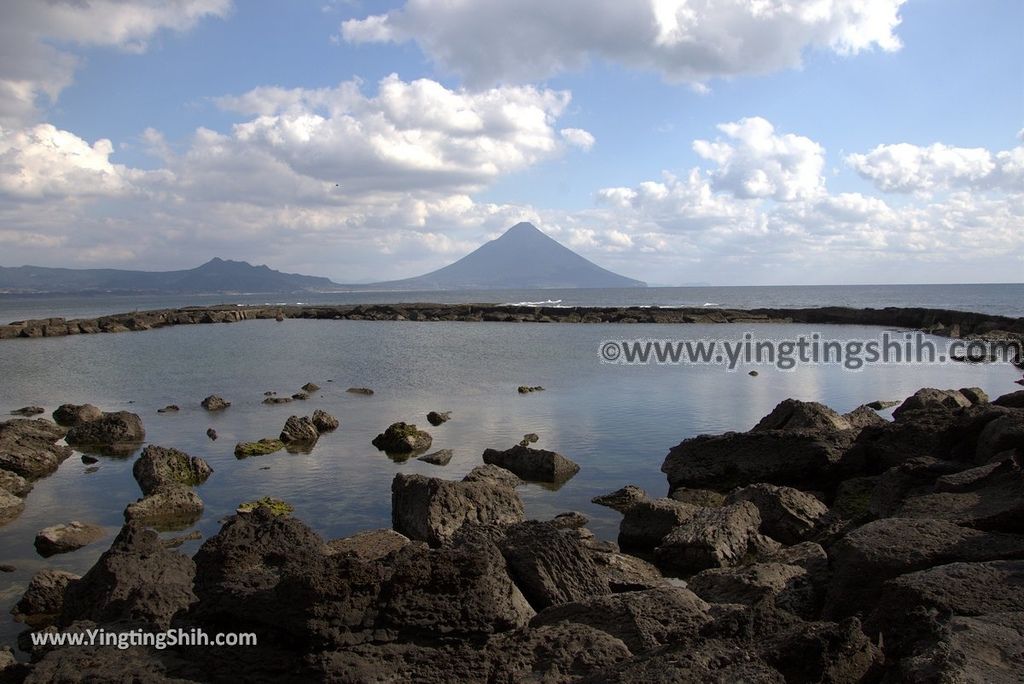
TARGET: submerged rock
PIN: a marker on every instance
(72, 414)
(259, 448)
(402, 438)
(527, 389)
(536, 465)
(270, 505)
(435, 418)
(439, 458)
(310, 387)
(171, 408)
(211, 433)
(360, 390)
(28, 411)
(324, 421)
(299, 431)
(66, 537)
(214, 403)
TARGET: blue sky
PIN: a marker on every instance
(732, 142)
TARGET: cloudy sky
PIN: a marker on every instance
(722, 141)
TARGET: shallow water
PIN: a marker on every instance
(617, 422)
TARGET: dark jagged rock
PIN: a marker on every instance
(310, 388)
(536, 465)
(975, 395)
(881, 404)
(986, 648)
(864, 416)
(432, 510)
(402, 438)
(214, 403)
(436, 418)
(278, 400)
(788, 515)
(299, 431)
(43, 600)
(160, 467)
(527, 389)
(109, 430)
(884, 549)
(793, 414)
(1011, 400)
(992, 503)
(69, 415)
(823, 652)
(645, 521)
(931, 398)
(28, 449)
(441, 457)
(28, 411)
(366, 391)
(66, 537)
(692, 661)
(789, 587)
(324, 421)
(211, 433)
(712, 538)
(136, 580)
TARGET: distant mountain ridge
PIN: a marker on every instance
(216, 275)
(523, 257)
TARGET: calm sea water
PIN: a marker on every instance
(1003, 299)
(617, 422)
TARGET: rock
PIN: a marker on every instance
(793, 414)
(1001, 434)
(494, 475)
(788, 586)
(794, 458)
(300, 396)
(974, 478)
(369, 545)
(881, 550)
(753, 373)
(538, 465)
(435, 418)
(267, 504)
(212, 434)
(862, 417)
(557, 653)
(260, 448)
(7, 568)
(360, 390)
(74, 414)
(440, 458)
(698, 497)
(807, 555)
(645, 521)
(214, 403)
(160, 467)
(28, 411)
(171, 408)
(549, 565)
(643, 620)
(529, 438)
(853, 497)
(11, 506)
(996, 504)
(89, 460)
(278, 400)
(931, 398)
(1011, 400)
(987, 648)
(66, 537)
(975, 395)
(136, 580)
(881, 405)
(324, 421)
(402, 438)
(43, 600)
(713, 537)
(14, 484)
(299, 431)
(570, 520)
(433, 510)
(527, 389)
(310, 388)
(913, 477)
(114, 430)
(172, 507)
(946, 591)
(823, 652)
(28, 449)
(788, 515)
(692, 661)
(179, 540)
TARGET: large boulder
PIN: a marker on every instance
(136, 580)
(28, 449)
(402, 438)
(788, 515)
(869, 556)
(991, 502)
(793, 414)
(790, 587)
(645, 521)
(67, 537)
(43, 600)
(117, 430)
(713, 538)
(160, 467)
(432, 510)
(931, 398)
(804, 459)
(1011, 400)
(536, 465)
(73, 414)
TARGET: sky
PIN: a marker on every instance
(730, 142)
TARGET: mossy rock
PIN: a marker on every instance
(264, 446)
(274, 506)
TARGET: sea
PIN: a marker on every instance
(616, 421)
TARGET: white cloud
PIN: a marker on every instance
(909, 168)
(758, 163)
(490, 41)
(30, 64)
(577, 137)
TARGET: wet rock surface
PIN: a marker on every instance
(535, 465)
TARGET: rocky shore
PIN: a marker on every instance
(938, 321)
(816, 547)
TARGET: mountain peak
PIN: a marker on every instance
(523, 228)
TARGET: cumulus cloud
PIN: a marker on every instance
(489, 41)
(32, 67)
(758, 163)
(909, 168)
(577, 137)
